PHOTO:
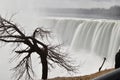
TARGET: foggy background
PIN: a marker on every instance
(53, 7)
(14, 6)
(28, 12)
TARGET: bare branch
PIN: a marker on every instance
(24, 68)
(35, 40)
(5, 23)
(12, 36)
(61, 60)
(13, 41)
(40, 32)
(27, 50)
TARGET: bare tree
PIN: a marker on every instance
(11, 33)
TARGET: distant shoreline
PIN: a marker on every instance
(99, 13)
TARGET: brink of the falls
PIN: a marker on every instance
(88, 40)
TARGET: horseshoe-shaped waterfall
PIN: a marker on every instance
(99, 37)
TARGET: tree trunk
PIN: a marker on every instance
(44, 66)
(43, 55)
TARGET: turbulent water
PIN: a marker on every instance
(88, 40)
(99, 36)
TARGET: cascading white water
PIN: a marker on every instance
(88, 40)
(99, 36)
(102, 37)
(66, 29)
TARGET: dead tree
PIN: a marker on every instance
(35, 43)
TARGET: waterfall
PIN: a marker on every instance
(66, 29)
(102, 37)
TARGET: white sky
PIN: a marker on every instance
(78, 3)
(28, 4)
(17, 6)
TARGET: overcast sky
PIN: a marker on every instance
(78, 3)
(12, 6)
(22, 4)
